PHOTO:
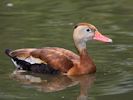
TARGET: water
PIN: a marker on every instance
(31, 23)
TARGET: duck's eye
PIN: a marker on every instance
(88, 30)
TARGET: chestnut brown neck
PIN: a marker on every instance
(86, 63)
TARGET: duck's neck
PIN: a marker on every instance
(86, 63)
(85, 58)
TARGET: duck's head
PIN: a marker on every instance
(84, 32)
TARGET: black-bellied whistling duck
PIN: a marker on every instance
(54, 60)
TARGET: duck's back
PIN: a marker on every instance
(44, 60)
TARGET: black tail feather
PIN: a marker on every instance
(22, 64)
(7, 52)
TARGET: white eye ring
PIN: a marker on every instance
(88, 30)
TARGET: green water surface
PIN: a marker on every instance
(40, 23)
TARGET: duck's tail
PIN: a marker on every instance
(25, 65)
(20, 64)
(7, 52)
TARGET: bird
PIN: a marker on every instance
(56, 60)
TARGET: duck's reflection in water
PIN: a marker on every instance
(49, 83)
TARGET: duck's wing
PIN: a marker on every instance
(58, 58)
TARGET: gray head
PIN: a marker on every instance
(84, 32)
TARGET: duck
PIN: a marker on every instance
(56, 60)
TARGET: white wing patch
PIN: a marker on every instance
(29, 59)
(32, 60)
